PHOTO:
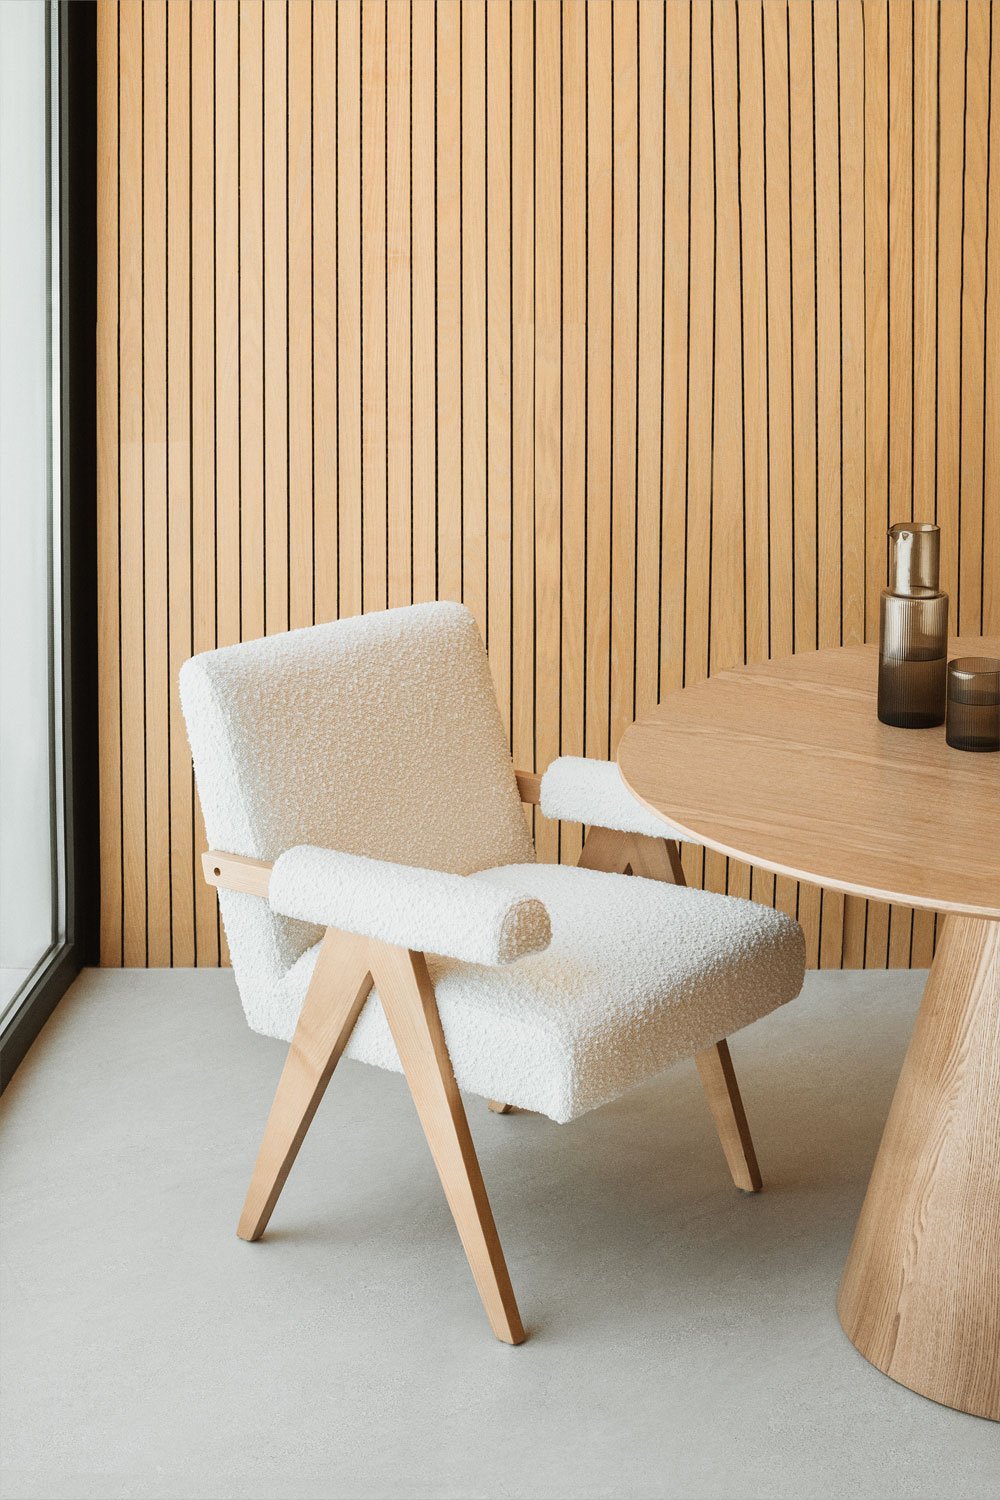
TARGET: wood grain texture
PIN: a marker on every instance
(342, 980)
(787, 765)
(920, 1296)
(407, 995)
(339, 987)
(628, 323)
(718, 1079)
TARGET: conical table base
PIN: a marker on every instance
(920, 1296)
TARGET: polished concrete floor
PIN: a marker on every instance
(683, 1339)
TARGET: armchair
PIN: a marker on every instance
(377, 881)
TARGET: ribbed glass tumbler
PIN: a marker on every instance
(974, 703)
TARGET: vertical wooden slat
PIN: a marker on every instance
(375, 540)
(108, 509)
(251, 305)
(877, 365)
(924, 263)
(779, 355)
(901, 209)
(700, 391)
(828, 327)
(650, 337)
(625, 343)
(573, 417)
(275, 335)
(130, 396)
(349, 302)
(423, 328)
(702, 322)
(779, 350)
(990, 503)
(398, 303)
(226, 319)
(728, 552)
(522, 190)
(179, 594)
(754, 355)
(226, 436)
(828, 394)
(852, 311)
(300, 315)
(901, 171)
(728, 527)
(448, 284)
(876, 309)
(324, 311)
(598, 375)
(676, 331)
(968, 604)
(753, 328)
(954, 20)
(924, 259)
(547, 429)
(851, 106)
(154, 539)
(498, 351)
(204, 538)
(473, 370)
(803, 231)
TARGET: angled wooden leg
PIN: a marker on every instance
(407, 995)
(659, 859)
(338, 989)
(498, 1108)
(718, 1078)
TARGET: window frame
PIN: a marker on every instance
(72, 66)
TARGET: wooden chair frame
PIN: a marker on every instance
(347, 968)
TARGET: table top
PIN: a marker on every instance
(786, 765)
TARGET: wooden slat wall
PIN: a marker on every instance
(632, 325)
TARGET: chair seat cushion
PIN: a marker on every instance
(638, 975)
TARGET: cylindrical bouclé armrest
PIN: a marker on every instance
(429, 910)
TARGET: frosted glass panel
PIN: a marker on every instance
(29, 904)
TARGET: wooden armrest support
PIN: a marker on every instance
(529, 784)
(233, 872)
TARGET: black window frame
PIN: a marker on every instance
(75, 591)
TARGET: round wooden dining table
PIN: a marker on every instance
(786, 765)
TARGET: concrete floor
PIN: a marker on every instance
(683, 1339)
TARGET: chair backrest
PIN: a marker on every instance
(376, 735)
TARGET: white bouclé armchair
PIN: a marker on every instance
(377, 882)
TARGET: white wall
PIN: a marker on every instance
(26, 896)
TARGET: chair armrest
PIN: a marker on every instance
(593, 792)
(427, 910)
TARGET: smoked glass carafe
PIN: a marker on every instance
(913, 630)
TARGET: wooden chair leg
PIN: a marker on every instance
(718, 1078)
(338, 989)
(605, 849)
(498, 1108)
(655, 859)
(659, 859)
(407, 995)
(618, 853)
